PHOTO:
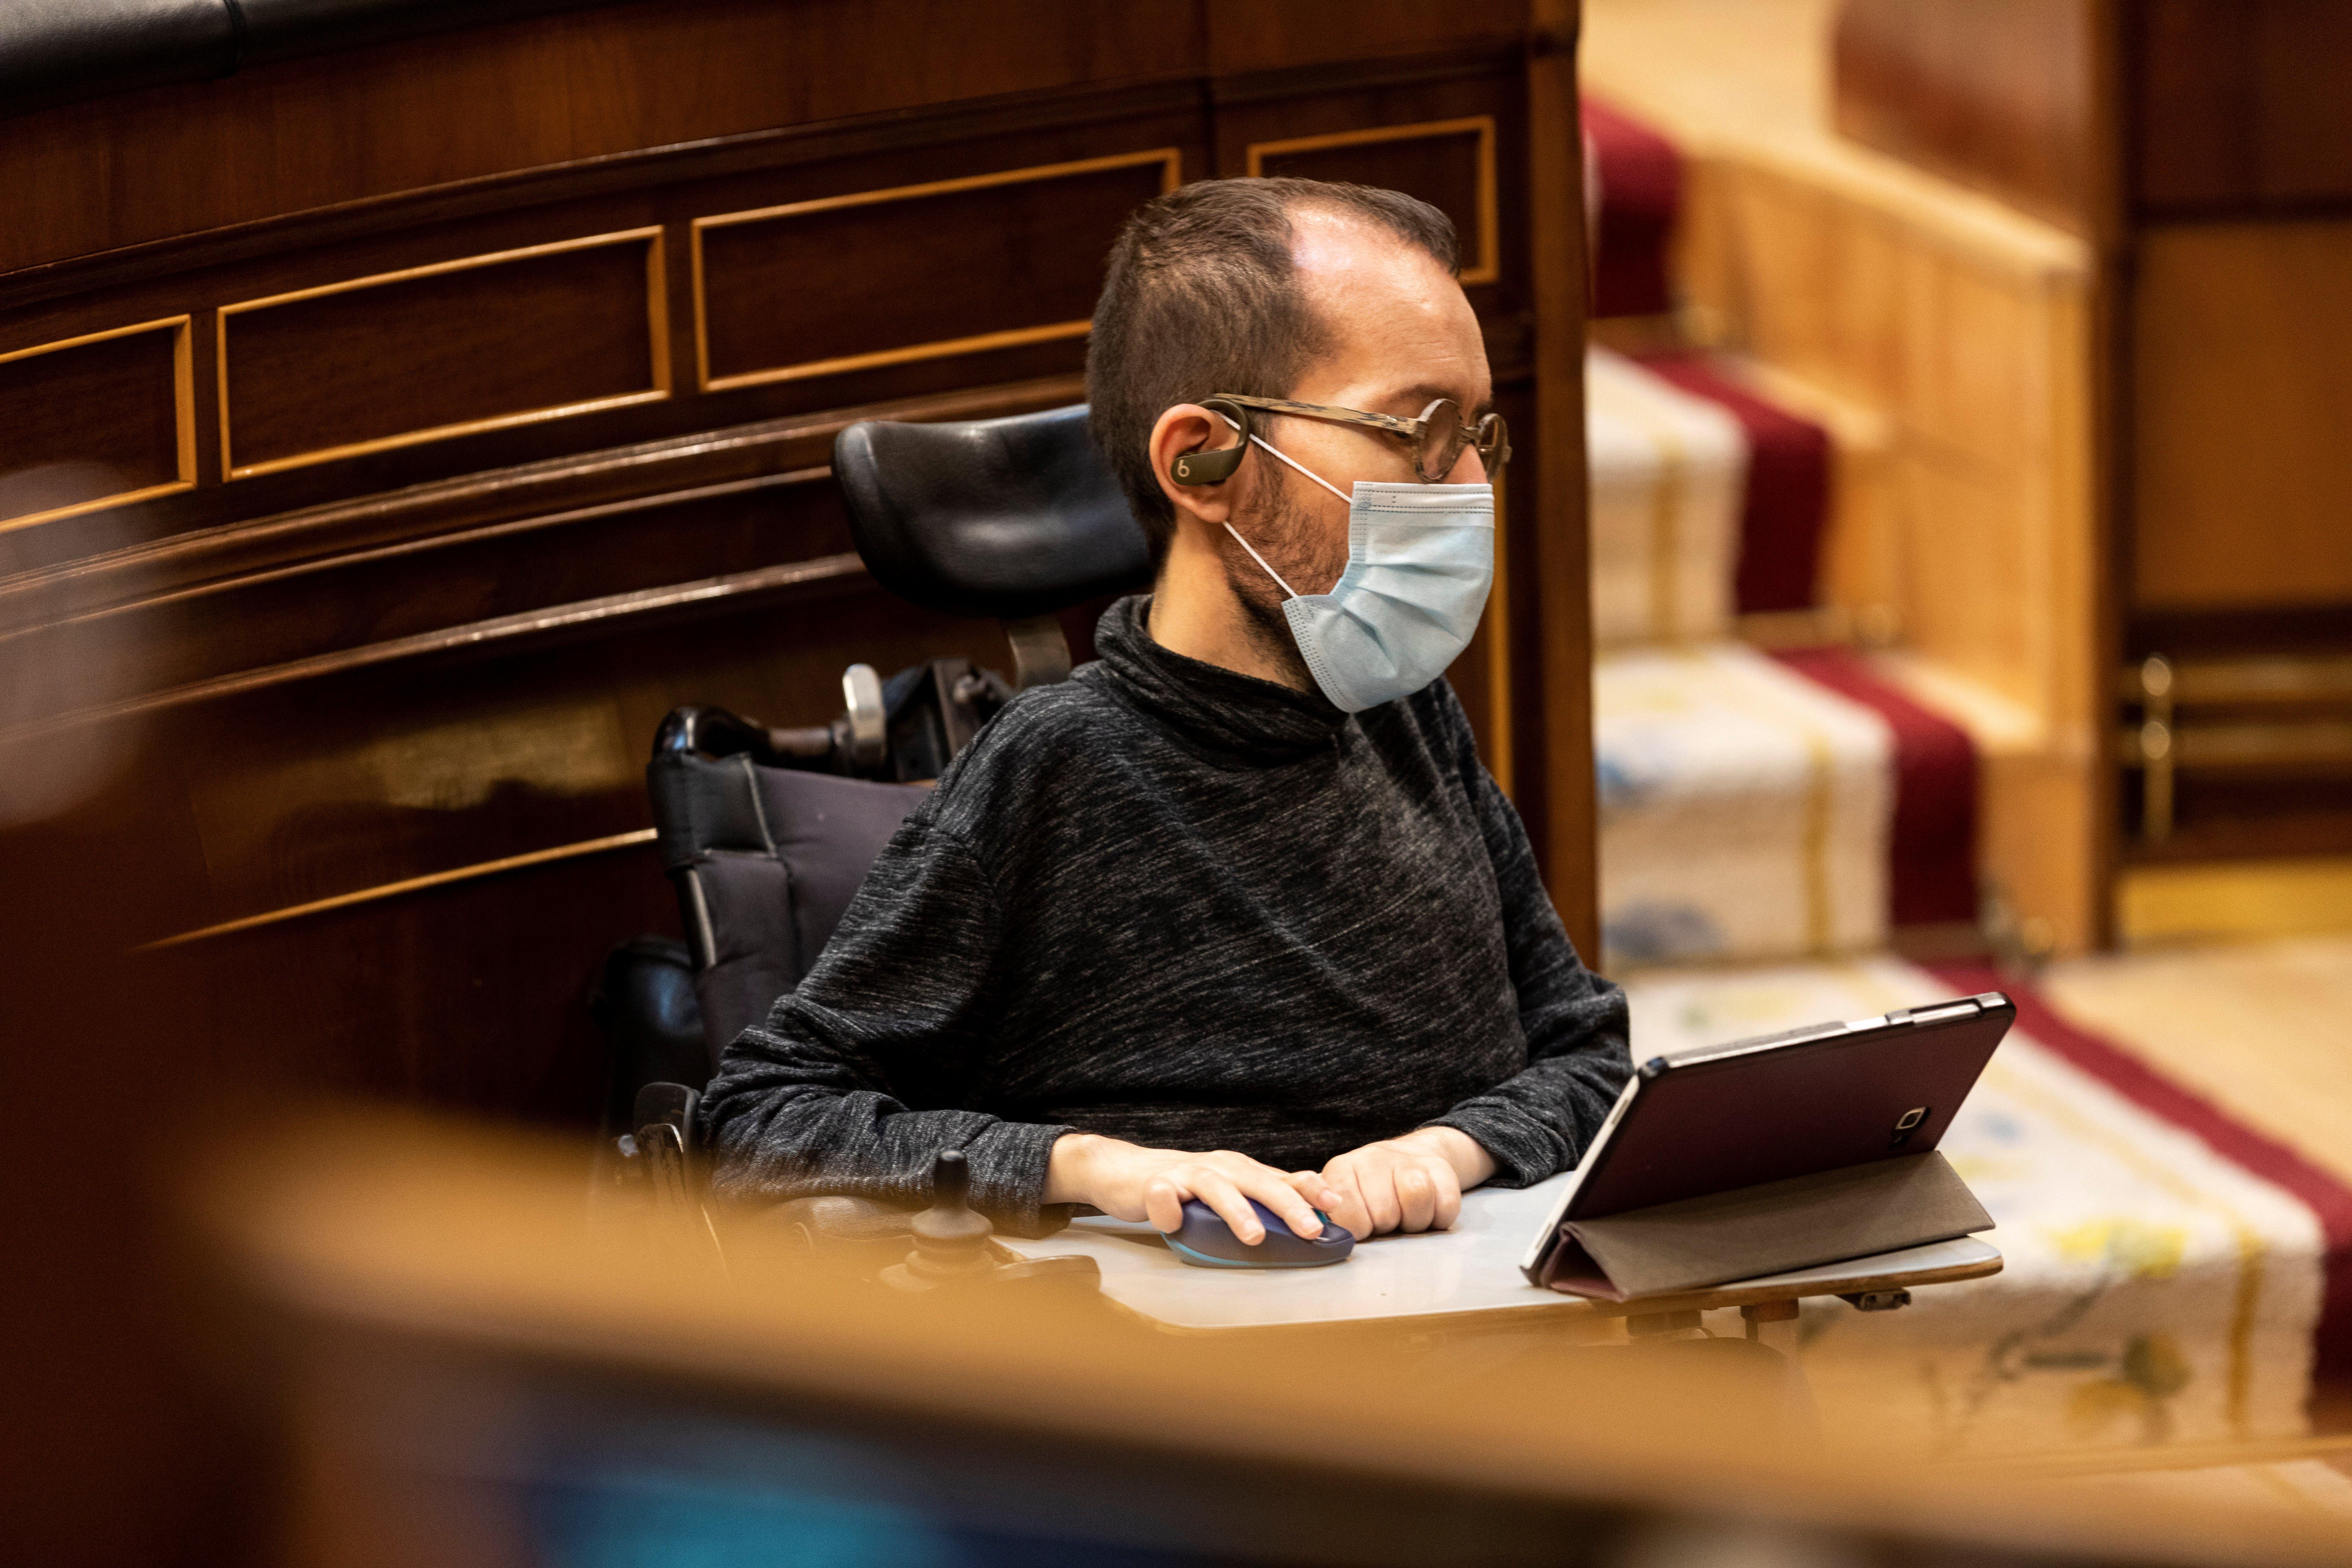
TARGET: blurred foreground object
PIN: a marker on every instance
(47, 768)
(124, 1449)
(470, 1377)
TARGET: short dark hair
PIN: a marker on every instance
(1202, 297)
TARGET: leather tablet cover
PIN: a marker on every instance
(1853, 1211)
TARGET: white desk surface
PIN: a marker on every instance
(1473, 1268)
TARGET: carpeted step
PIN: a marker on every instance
(1755, 806)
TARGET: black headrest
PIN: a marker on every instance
(990, 517)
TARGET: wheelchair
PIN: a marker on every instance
(766, 834)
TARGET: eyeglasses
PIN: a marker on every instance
(1437, 438)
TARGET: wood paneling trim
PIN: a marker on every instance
(1560, 753)
(656, 306)
(610, 175)
(1495, 57)
(1490, 245)
(184, 402)
(505, 631)
(531, 523)
(1171, 159)
(581, 850)
(570, 485)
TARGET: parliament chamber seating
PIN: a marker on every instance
(1764, 791)
(2065, 285)
(2010, 512)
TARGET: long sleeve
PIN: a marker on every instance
(1541, 1120)
(817, 1098)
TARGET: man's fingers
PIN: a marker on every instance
(1350, 1210)
(1220, 1194)
(1416, 1197)
(1316, 1188)
(1449, 1197)
(1379, 1187)
(1319, 1191)
(1273, 1190)
(1163, 1203)
(1270, 1187)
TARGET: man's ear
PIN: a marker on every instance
(1186, 428)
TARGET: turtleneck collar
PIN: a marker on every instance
(1212, 708)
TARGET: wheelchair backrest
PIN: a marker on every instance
(765, 860)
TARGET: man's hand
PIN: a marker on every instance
(1133, 1183)
(1412, 1183)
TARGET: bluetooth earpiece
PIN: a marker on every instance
(1214, 468)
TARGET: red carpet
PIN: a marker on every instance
(1641, 177)
(1788, 498)
(1932, 850)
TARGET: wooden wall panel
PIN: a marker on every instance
(251, 623)
(2213, 141)
(1974, 346)
(1997, 94)
(1550, 596)
(1450, 165)
(493, 559)
(472, 343)
(2241, 103)
(927, 271)
(458, 106)
(2242, 340)
(110, 414)
(593, 343)
(1422, 133)
(1244, 35)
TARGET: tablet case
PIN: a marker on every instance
(1854, 1212)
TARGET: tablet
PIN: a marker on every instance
(1791, 1104)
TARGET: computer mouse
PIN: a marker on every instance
(1207, 1241)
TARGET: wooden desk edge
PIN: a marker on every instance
(1562, 1304)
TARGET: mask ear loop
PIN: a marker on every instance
(1295, 463)
(1245, 543)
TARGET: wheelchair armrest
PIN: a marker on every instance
(716, 732)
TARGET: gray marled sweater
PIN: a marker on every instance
(1190, 908)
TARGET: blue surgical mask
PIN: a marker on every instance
(1420, 561)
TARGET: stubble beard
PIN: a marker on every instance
(1286, 533)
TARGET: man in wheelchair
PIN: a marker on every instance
(1236, 911)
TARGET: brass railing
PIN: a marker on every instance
(2275, 713)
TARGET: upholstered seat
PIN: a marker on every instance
(767, 834)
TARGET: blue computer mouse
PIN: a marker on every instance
(1208, 1241)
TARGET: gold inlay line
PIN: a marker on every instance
(183, 412)
(581, 850)
(1170, 158)
(1489, 264)
(657, 320)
